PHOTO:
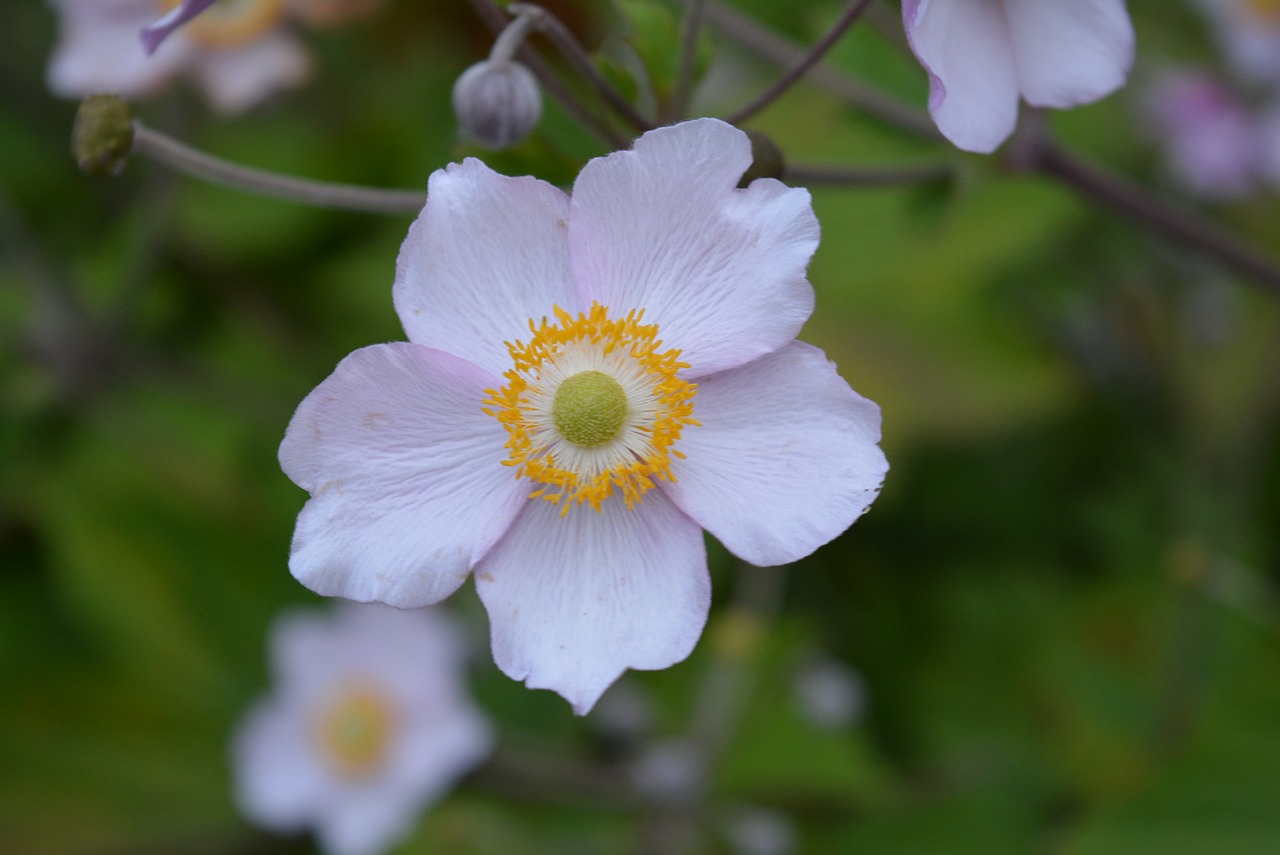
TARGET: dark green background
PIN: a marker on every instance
(1063, 604)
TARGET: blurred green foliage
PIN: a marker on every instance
(1063, 605)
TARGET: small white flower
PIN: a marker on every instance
(239, 51)
(982, 55)
(368, 724)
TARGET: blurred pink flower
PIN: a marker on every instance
(982, 55)
(312, 11)
(1249, 32)
(240, 54)
(652, 387)
(157, 31)
(1212, 144)
(368, 724)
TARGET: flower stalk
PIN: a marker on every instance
(323, 194)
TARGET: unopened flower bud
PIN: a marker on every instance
(102, 135)
(497, 103)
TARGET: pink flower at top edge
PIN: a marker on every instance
(653, 387)
(238, 60)
(983, 55)
(157, 31)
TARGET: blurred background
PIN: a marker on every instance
(1057, 630)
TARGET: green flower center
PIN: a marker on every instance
(589, 408)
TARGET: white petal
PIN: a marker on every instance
(279, 781)
(487, 254)
(663, 228)
(405, 473)
(973, 81)
(785, 459)
(574, 601)
(442, 743)
(238, 78)
(364, 822)
(1069, 52)
(98, 50)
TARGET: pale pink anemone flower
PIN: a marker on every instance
(589, 381)
(368, 724)
(982, 55)
(240, 52)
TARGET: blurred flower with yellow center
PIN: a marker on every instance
(368, 723)
(229, 23)
(240, 52)
(354, 730)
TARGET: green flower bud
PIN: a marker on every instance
(102, 135)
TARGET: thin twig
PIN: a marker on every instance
(679, 102)
(727, 686)
(885, 176)
(1119, 194)
(496, 20)
(325, 194)
(807, 61)
(572, 50)
(780, 50)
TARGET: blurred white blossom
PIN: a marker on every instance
(1249, 33)
(368, 723)
(1213, 144)
(240, 52)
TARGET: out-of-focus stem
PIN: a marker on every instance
(679, 104)
(577, 55)
(838, 176)
(1034, 150)
(806, 61)
(721, 700)
(325, 194)
(780, 50)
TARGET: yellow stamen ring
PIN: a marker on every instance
(592, 406)
(231, 23)
(354, 731)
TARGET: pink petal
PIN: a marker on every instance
(279, 779)
(365, 821)
(1070, 52)
(241, 77)
(405, 473)
(574, 601)
(487, 254)
(720, 270)
(973, 80)
(786, 457)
